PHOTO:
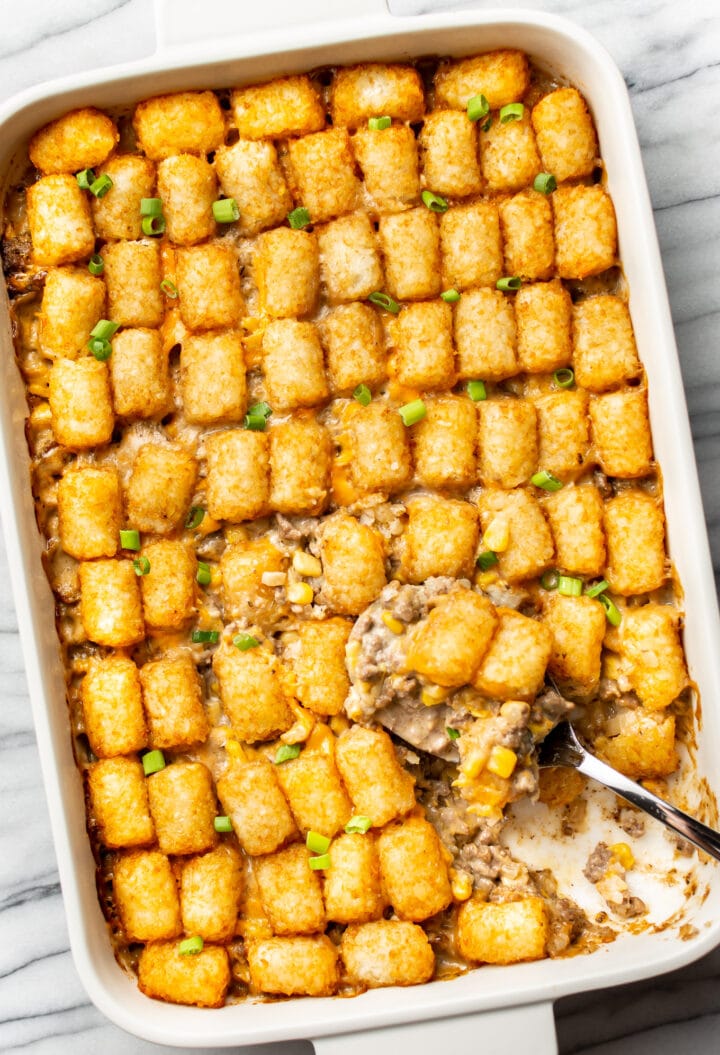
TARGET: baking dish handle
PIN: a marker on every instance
(491, 1032)
(179, 22)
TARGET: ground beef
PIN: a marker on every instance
(597, 863)
(631, 821)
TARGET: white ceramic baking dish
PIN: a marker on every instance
(492, 1008)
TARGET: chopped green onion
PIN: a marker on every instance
(569, 586)
(105, 329)
(509, 284)
(153, 225)
(413, 412)
(245, 642)
(450, 296)
(205, 637)
(191, 946)
(151, 207)
(286, 752)
(130, 539)
(358, 825)
(169, 288)
(153, 762)
(363, 395)
(477, 391)
(85, 178)
(226, 210)
(486, 560)
(257, 415)
(511, 112)
(384, 301)
(597, 589)
(434, 202)
(486, 127)
(100, 349)
(101, 185)
(222, 824)
(96, 264)
(614, 616)
(564, 377)
(549, 580)
(545, 182)
(204, 575)
(141, 566)
(194, 518)
(319, 844)
(319, 864)
(478, 107)
(377, 124)
(547, 480)
(299, 218)
(453, 734)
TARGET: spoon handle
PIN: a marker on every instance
(691, 829)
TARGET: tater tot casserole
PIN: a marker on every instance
(341, 452)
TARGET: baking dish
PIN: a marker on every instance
(505, 1004)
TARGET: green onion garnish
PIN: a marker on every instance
(549, 580)
(191, 946)
(511, 112)
(486, 560)
(319, 844)
(100, 349)
(299, 218)
(169, 288)
(194, 518)
(226, 210)
(453, 734)
(153, 226)
(597, 589)
(564, 377)
(205, 637)
(450, 296)
(105, 329)
(569, 586)
(478, 107)
(96, 264)
(319, 864)
(384, 301)
(363, 395)
(100, 186)
(85, 178)
(413, 412)
(434, 202)
(245, 642)
(545, 182)
(548, 481)
(141, 566)
(614, 616)
(222, 824)
(477, 391)
(377, 124)
(204, 575)
(487, 125)
(153, 762)
(130, 539)
(151, 207)
(286, 752)
(509, 284)
(256, 417)
(358, 825)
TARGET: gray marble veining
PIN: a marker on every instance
(669, 53)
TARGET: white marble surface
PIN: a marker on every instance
(669, 53)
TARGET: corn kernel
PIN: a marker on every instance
(502, 761)
(339, 723)
(483, 809)
(624, 855)
(305, 564)
(474, 764)
(235, 533)
(438, 693)
(300, 593)
(234, 749)
(486, 578)
(392, 623)
(461, 885)
(497, 534)
(273, 578)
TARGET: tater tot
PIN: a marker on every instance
(543, 312)
(352, 886)
(287, 106)
(650, 644)
(317, 798)
(168, 589)
(299, 966)
(187, 186)
(209, 291)
(90, 511)
(119, 802)
(507, 441)
(287, 272)
(250, 173)
(514, 665)
(604, 353)
(485, 335)
(355, 348)
(139, 375)
(117, 213)
(565, 134)
(201, 980)
(501, 76)
(323, 171)
(146, 896)
(173, 698)
(316, 654)
(113, 707)
(252, 693)
(72, 304)
(360, 92)
(575, 515)
(387, 952)
(353, 560)
(242, 566)
(440, 538)
(444, 443)
(529, 550)
(381, 449)
(414, 869)
(182, 803)
(424, 356)
(378, 785)
(132, 278)
(505, 932)
(160, 487)
(212, 378)
(293, 365)
(182, 123)
(448, 645)
(251, 795)
(80, 403)
(642, 745)
(388, 159)
(349, 258)
(563, 432)
(58, 216)
(585, 231)
(411, 246)
(471, 245)
(528, 240)
(578, 628)
(449, 153)
(78, 140)
(621, 432)
(290, 891)
(300, 459)
(635, 532)
(237, 474)
(110, 605)
(210, 891)
(509, 155)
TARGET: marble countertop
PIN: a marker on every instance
(669, 54)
